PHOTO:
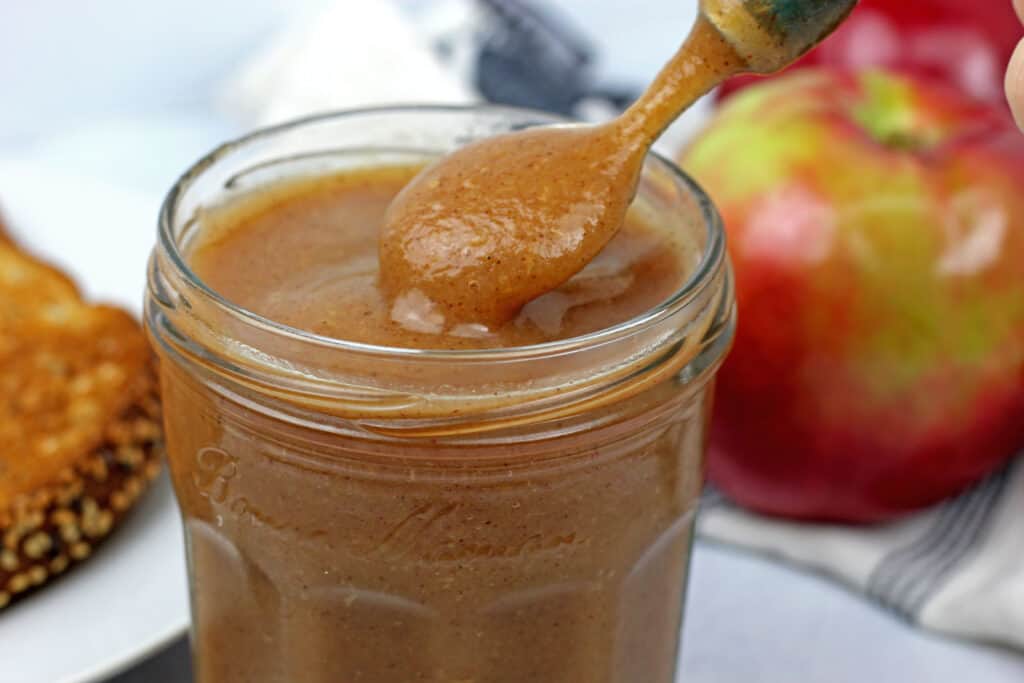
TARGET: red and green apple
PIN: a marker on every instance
(876, 227)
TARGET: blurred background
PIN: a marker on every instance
(106, 102)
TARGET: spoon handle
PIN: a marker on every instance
(729, 37)
(703, 62)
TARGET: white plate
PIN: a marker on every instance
(130, 598)
(125, 602)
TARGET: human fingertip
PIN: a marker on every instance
(1015, 84)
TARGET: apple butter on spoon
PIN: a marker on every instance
(490, 227)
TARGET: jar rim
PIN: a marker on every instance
(710, 262)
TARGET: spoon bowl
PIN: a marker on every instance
(497, 223)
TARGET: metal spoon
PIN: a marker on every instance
(499, 222)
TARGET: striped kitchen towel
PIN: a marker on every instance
(957, 568)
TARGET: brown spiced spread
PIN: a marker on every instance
(305, 255)
(550, 552)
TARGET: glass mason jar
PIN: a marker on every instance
(387, 515)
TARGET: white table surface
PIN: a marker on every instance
(118, 95)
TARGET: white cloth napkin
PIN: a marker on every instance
(957, 568)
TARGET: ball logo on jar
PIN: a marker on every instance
(216, 470)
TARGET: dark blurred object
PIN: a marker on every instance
(529, 58)
(519, 53)
(966, 44)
